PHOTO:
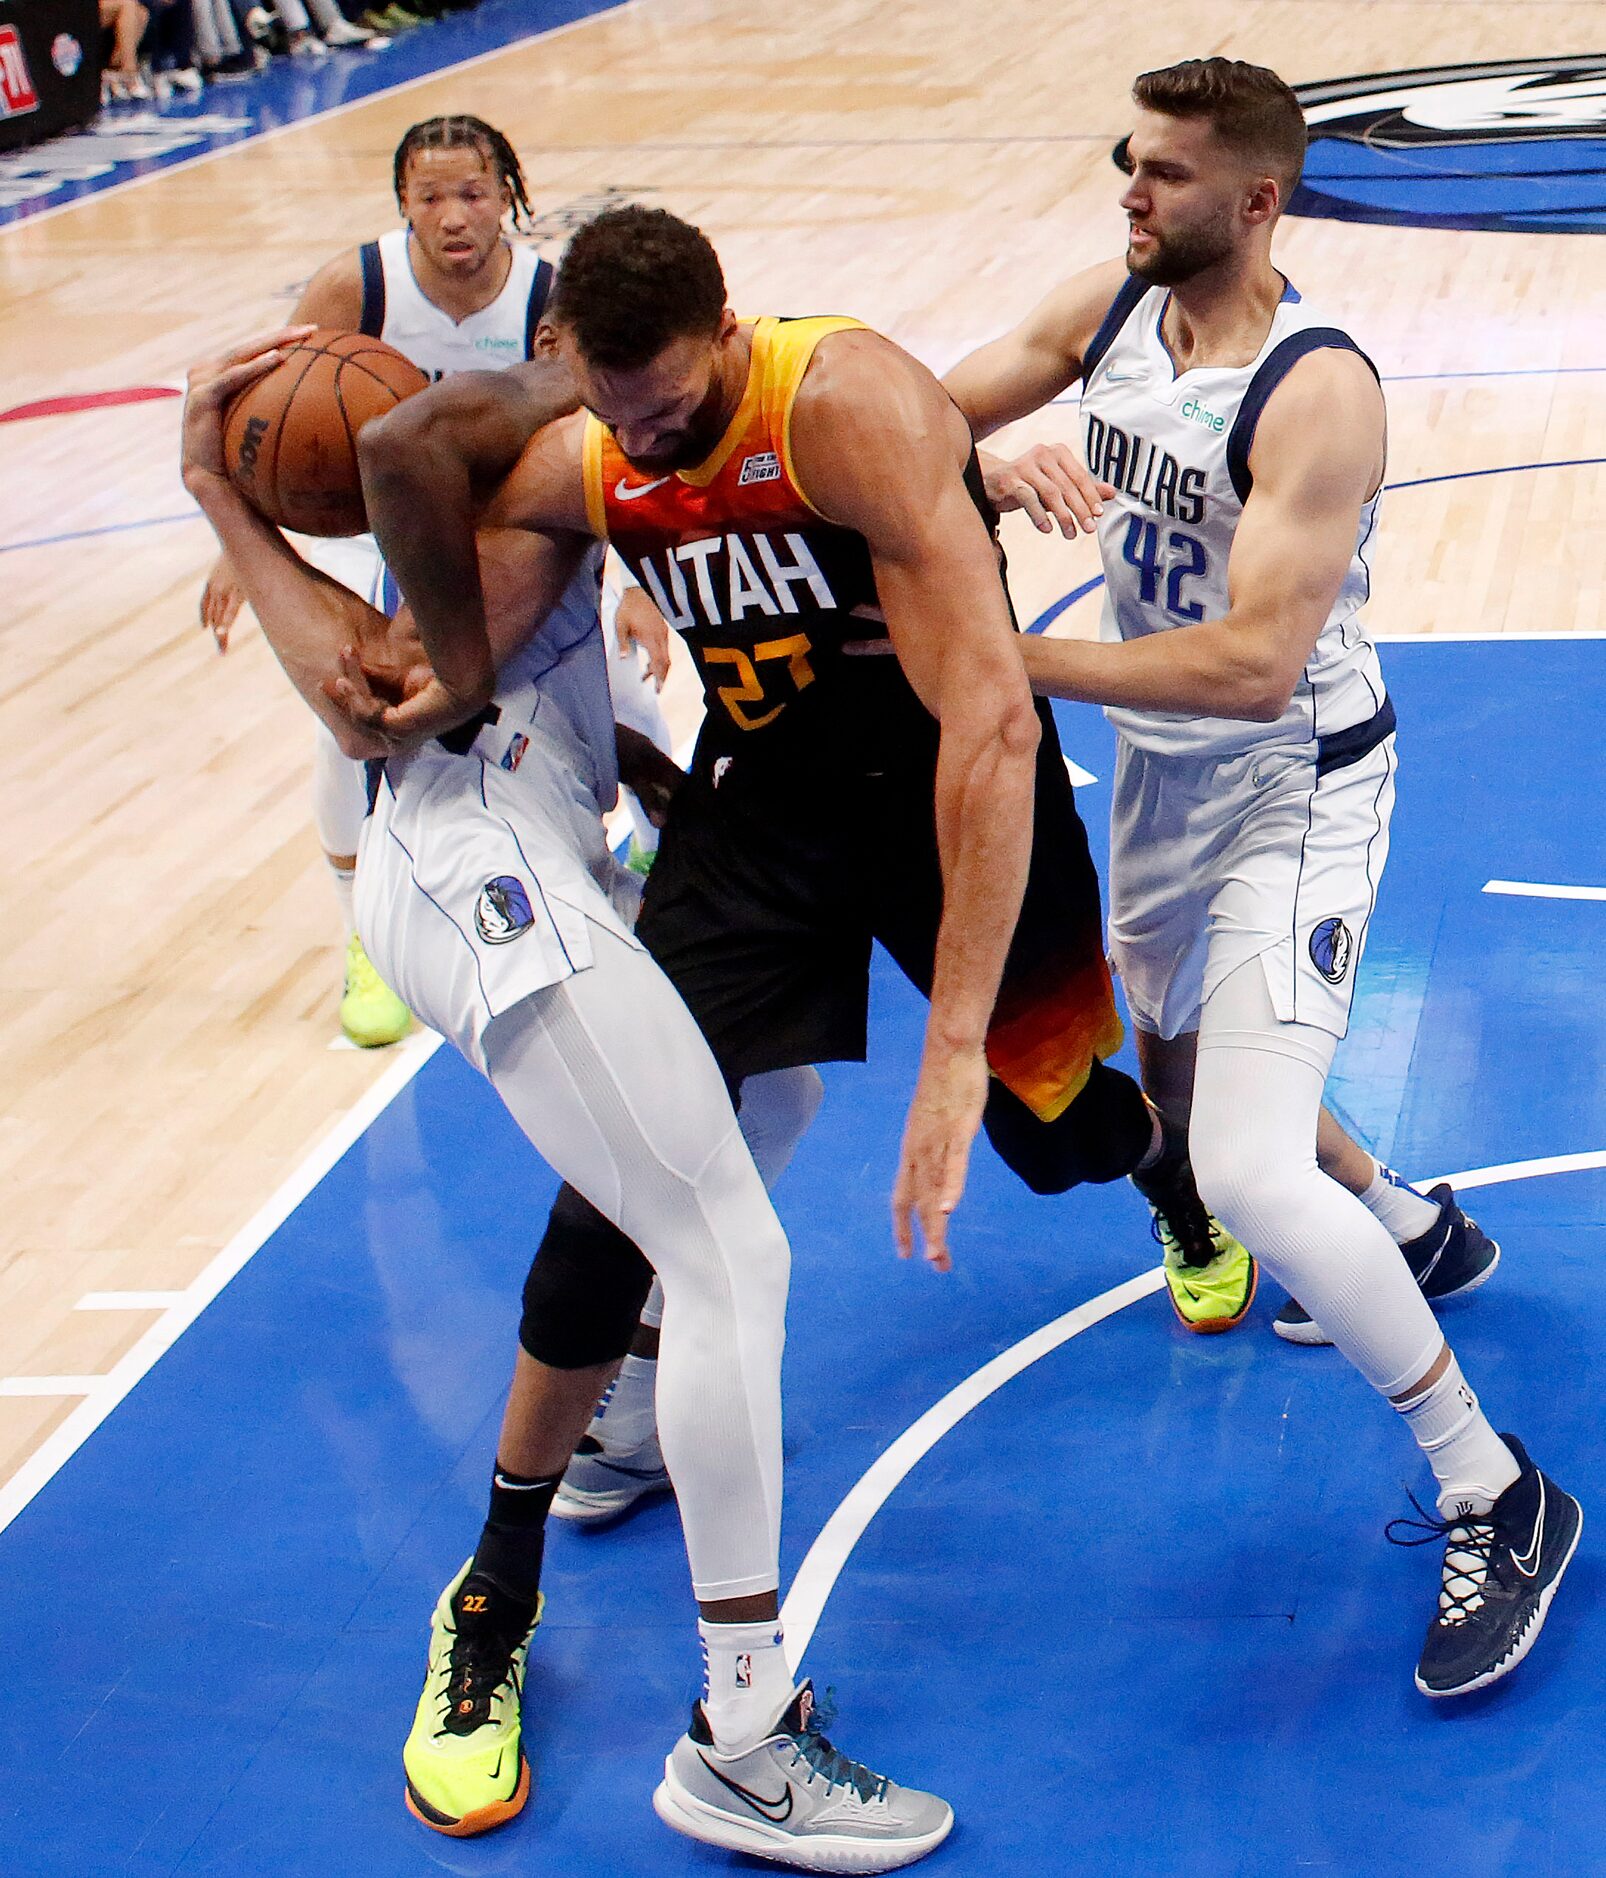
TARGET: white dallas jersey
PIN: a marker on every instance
(553, 692)
(1176, 447)
(394, 309)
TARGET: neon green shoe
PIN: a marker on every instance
(466, 1770)
(370, 1012)
(1209, 1276)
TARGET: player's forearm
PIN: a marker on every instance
(305, 617)
(422, 509)
(1215, 669)
(984, 795)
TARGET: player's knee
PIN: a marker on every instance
(1251, 1188)
(1100, 1137)
(585, 1290)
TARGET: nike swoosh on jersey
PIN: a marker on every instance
(778, 1811)
(1536, 1545)
(627, 492)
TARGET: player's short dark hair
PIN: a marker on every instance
(631, 281)
(462, 132)
(1249, 107)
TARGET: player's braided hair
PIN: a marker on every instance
(462, 132)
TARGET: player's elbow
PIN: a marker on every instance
(1259, 682)
(388, 445)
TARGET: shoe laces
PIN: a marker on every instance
(479, 1668)
(1468, 1557)
(834, 1767)
(1181, 1223)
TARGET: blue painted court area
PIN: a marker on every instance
(1134, 1615)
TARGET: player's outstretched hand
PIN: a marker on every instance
(211, 386)
(638, 622)
(943, 1119)
(221, 600)
(1052, 484)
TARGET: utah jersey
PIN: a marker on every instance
(395, 309)
(765, 591)
(1176, 447)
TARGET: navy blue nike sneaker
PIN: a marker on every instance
(1501, 1569)
(1454, 1256)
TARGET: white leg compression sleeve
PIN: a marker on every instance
(612, 1082)
(1256, 1094)
(777, 1108)
(339, 796)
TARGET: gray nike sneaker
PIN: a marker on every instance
(599, 1486)
(794, 1799)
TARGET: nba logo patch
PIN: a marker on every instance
(763, 468)
(513, 755)
(1330, 949)
(17, 92)
(744, 1671)
(503, 910)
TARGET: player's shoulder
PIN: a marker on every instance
(334, 295)
(1070, 315)
(855, 372)
(1328, 380)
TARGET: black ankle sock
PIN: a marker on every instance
(510, 1547)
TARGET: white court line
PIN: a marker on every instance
(318, 117)
(103, 1393)
(1080, 778)
(1541, 890)
(817, 1575)
(128, 1300)
(822, 1566)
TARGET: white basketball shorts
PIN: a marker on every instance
(478, 884)
(1217, 860)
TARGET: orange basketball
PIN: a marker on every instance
(290, 439)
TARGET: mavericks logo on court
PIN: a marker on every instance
(1517, 144)
(503, 910)
(1330, 949)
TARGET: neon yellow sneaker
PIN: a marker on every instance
(370, 1012)
(466, 1770)
(1209, 1276)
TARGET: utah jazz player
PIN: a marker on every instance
(804, 502)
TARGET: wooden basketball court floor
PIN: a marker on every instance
(171, 958)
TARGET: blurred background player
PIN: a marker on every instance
(453, 293)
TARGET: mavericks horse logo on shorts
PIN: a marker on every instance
(503, 910)
(1330, 948)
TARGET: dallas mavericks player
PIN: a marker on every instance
(1236, 448)
(453, 294)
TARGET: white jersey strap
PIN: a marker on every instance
(1273, 369)
(1120, 310)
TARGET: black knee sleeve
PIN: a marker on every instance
(1104, 1133)
(585, 1290)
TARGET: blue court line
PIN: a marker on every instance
(111, 528)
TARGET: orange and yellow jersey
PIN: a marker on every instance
(764, 590)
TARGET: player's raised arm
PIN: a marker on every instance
(1029, 367)
(874, 429)
(1317, 459)
(440, 455)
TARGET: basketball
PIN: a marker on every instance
(290, 438)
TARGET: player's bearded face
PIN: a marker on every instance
(1181, 207)
(668, 415)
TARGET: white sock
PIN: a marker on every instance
(626, 1417)
(1396, 1204)
(344, 880)
(746, 1680)
(1472, 1465)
